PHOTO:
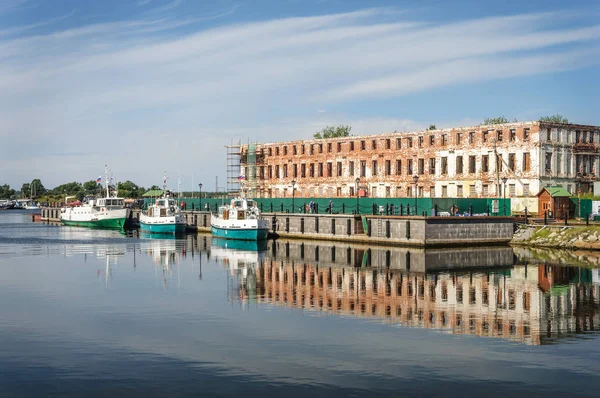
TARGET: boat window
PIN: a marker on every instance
(237, 203)
(250, 203)
(171, 203)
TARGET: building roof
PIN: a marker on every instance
(153, 192)
(555, 192)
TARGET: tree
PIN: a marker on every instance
(26, 190)
(70, 188)
(333, 132)
(432, 127)
(37, 188)
(91, 187)
(495, 120)
(128, 189)
(6, 192)
(558, 118)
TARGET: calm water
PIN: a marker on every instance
(93, 313)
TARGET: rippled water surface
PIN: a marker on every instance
(90, 313)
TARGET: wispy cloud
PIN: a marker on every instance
(142, 82)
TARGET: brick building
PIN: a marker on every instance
(477, 161)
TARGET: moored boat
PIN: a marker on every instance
(163, 217)
(106, 213)
(241, 219)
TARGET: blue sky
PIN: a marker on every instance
(147, 86)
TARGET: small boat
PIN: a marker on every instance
(163, 217)
(32, 206)
(105, 213)
(7, 206)
(241, 219)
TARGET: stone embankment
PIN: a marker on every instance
(560, 237)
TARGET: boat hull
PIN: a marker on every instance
(240, 233)
(162, 228)
(107, 223)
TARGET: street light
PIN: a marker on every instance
(415, 180)
(504, 194)
(293, 195)
(200, 194)
(357, 181)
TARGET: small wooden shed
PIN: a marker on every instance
(555, 201)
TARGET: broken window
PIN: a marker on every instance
(421, 166)
(444, 165)
(374, 168)
(485, 163)
(432, 166)
(459, 165)
(398, 167)
(351, 168)
(388, 167)
(526, 161)
(409, 167)
(471, 164)
(511, 161)
(513, 134)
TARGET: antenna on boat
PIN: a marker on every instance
(106, 180)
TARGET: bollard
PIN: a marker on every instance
(525, 215)
(343, 208)
(387, 209)
(271, 207)
(401, 209)
(545, 218)
(282, 207)
(470, 210)
(374, 209)
(408, 210)
(392, 209)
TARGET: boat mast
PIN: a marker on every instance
(165, 184)
(106, 180)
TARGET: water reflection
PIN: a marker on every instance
(484, 295)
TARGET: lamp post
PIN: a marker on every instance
(415, 181)
(293, 195)
(200, 194)
(504, 194)
(356, 182)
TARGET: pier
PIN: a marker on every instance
(414, 231)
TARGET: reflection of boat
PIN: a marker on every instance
(239, 220)
(259, 245)
(108, 212)
(164, 216)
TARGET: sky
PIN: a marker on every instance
(148, 86)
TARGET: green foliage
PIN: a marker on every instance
(70, 188)
(558, 118)
(6, 192)
(91, 187)
(25, 190)
(432, 127)
(333, 132)
(128, 189)
(495, 120)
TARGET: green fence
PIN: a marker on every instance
(389, 206)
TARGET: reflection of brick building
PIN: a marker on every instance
(457, 162)
(526, 303)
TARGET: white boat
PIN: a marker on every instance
(164, 216)
(241, 219)
(106, 213)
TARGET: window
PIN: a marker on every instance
(351, 169)
(311, 149)
(472, 164)
(444, 165)
(458, 138)
(320, 169)
(303, 149)
(351, 191)
(432, 191)
(421, 166)
(374, 144)
(329, 169)
(320, 148)
(472, 191)
(295, 170)
(409, 193)
(485, 163)
(420, 141)
(548, 161)
(295, 150)
(525, 134)
(512, 190)
(525, 189)
(363, 145)
(513, 135)
(459, 165)
(511, 161)
(499, 135)
(409, 167)
(363, 168)
(312, 170)
(471, 137)
(339, 147)
(351, 145)
(285, 173)
(276, 151)
(329, 147)
(303, 170)
(339, 169)
(388, 143)
(409, 140)
(484, 190)
(398, 143)
(398, 167)
(485, 136)
(444, 191)
(444, 139)
(374, 168)
(285, 150)
(459, 191)
(548, 134)
(388, 167)
(431, 140)
(270, 151)
(526, 161)
(277, 171)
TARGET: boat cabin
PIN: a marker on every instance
(239, 209)
(163, 207)
(110, 202)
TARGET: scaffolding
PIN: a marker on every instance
(234, 168)
(251, 180)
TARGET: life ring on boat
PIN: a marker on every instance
(172, 208)
(102, 210)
